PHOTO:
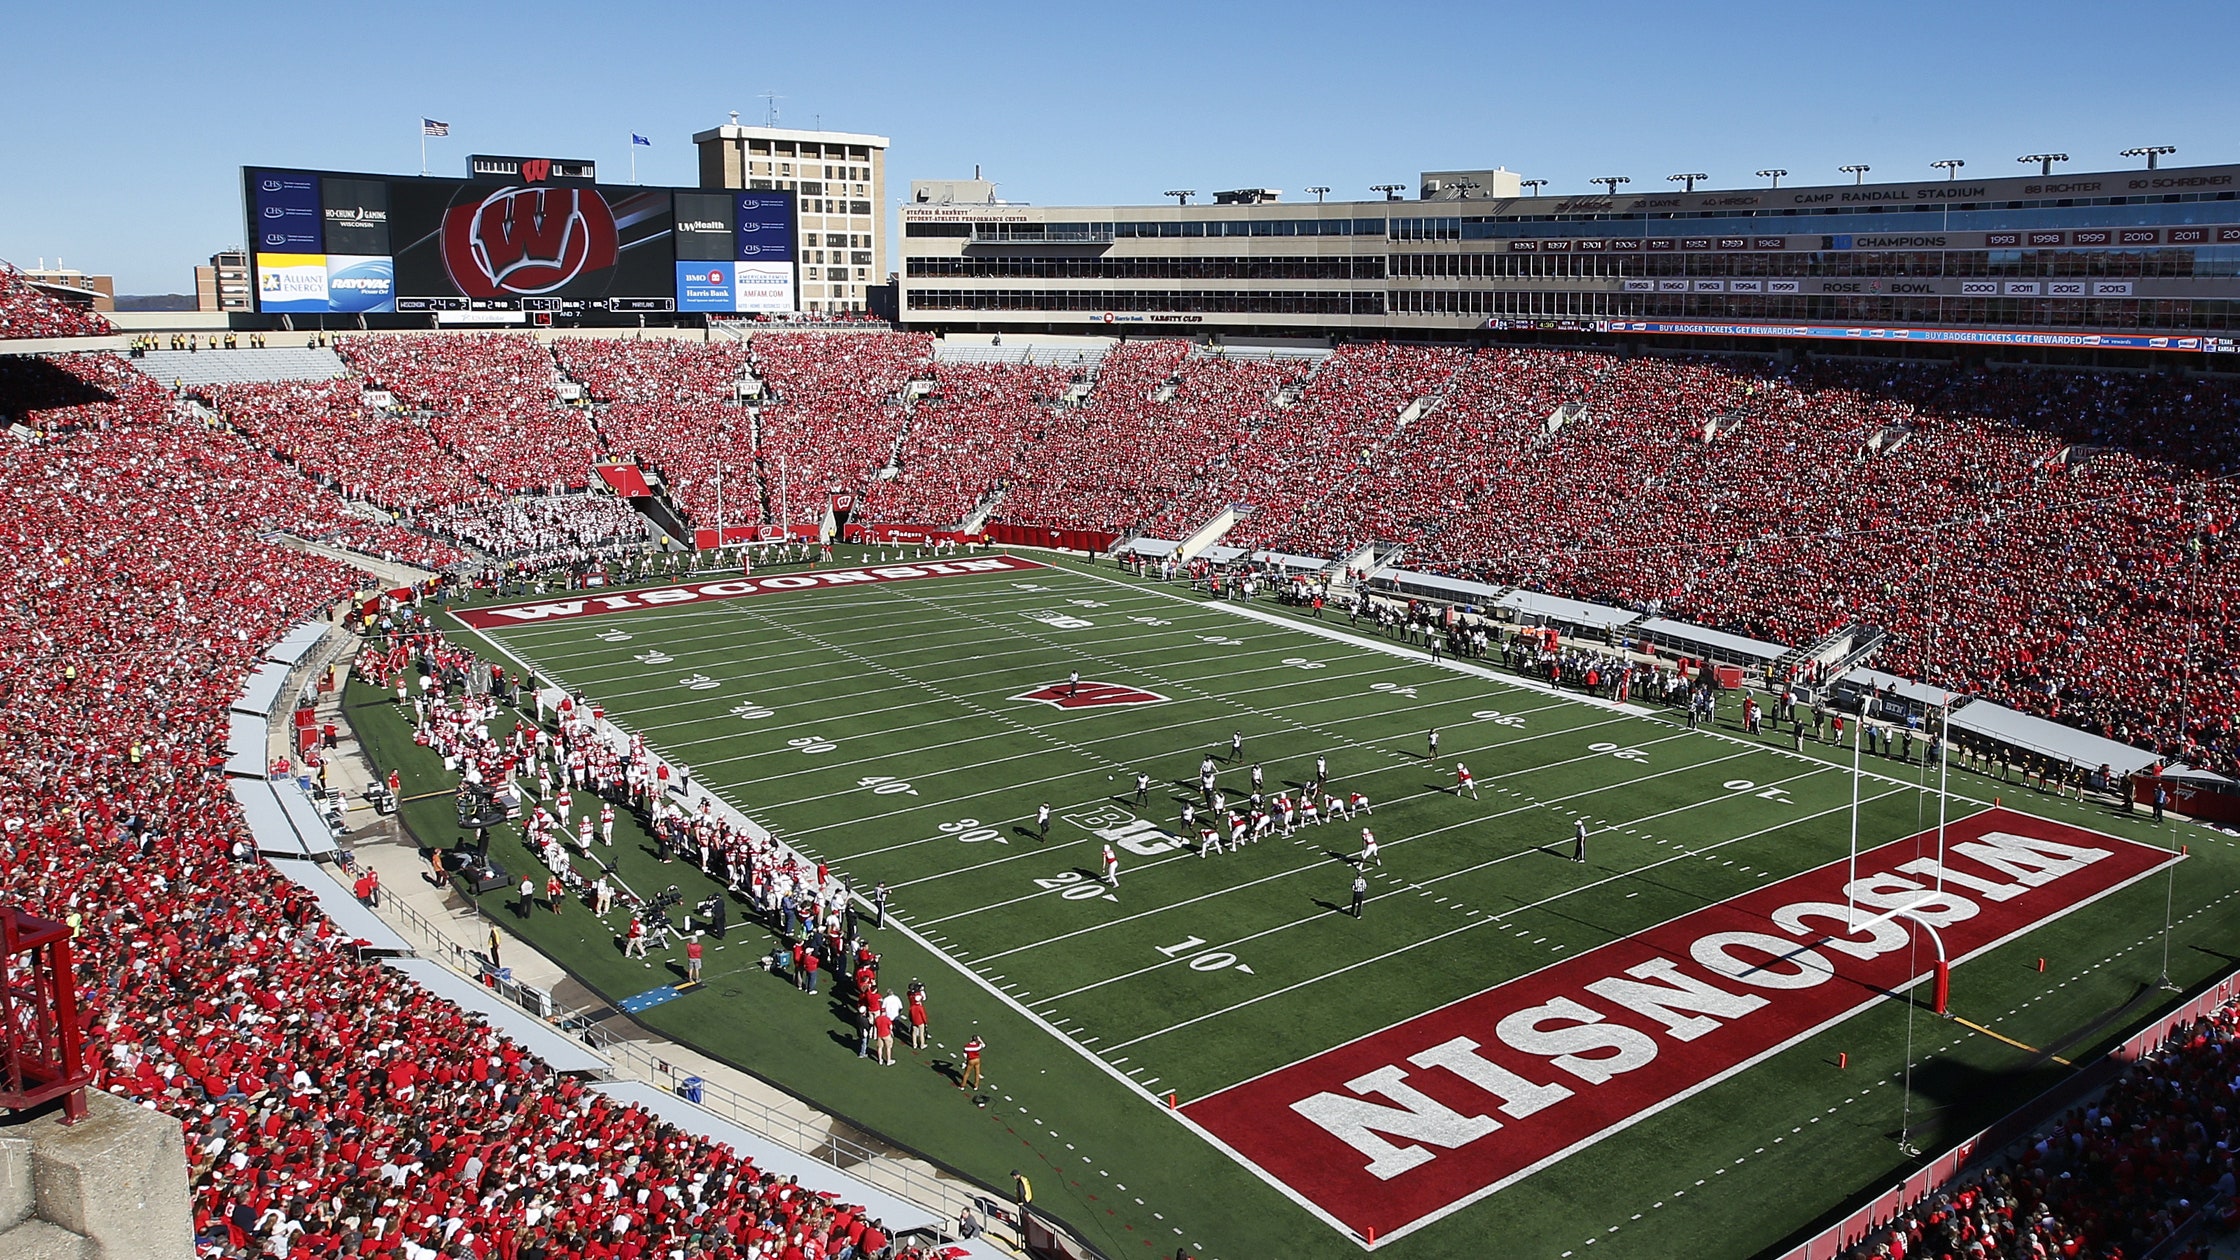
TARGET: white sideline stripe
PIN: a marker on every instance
(1088, 1056)
(1518, 681)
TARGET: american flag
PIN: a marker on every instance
(430, 127)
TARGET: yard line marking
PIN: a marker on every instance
(1394, 953)
(1521, 933)
(1517, 681)
(1188, 853)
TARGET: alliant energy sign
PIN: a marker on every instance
(1399, 1128)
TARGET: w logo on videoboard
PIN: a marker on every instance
(527, 241)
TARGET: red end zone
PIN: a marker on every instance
(589, 605)
(1403, 1126)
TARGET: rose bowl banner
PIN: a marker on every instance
(541, 611)
(1401, 1127)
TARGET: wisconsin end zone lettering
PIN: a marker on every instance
(1399, 1128)
(590, 605)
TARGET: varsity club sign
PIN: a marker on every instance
(732, 588)
(1399, 1128)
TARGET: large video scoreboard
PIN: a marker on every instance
(536, 240)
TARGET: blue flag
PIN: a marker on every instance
(635, 138)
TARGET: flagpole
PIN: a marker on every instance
(633, 159)
(423, 147)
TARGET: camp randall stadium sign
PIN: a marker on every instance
(1395, 1130)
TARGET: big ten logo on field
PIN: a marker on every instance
(1059, 620)
(1121, 829)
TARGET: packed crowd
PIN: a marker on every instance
(491, 402)
(671, 406)
(1160, 419)
(2033, 538)
(67, 396)
(2059, 535)
(2113, 1179)
(363, 453)
(965, 439)
(330, 1106)
(836, 413)
(27, 312)
(1351, 407)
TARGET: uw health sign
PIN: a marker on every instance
(731, 588)
(1400, 1128)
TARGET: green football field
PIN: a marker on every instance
(891, 731)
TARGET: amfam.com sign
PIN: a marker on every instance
(732, 588)
(1393, 1131)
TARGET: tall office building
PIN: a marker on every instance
(840, 178)
(223, 285)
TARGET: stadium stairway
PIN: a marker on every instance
(196, 368)
(1211, 532)
(665, 519)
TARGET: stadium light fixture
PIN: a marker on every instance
(1467, 186)
(2045, 161)
(1689, 179)
(1318, 190)
(1611, 182)
(1534, 184)
(1856, 170)
(2151, 152)
(1181, 196)
(1391, 191)
(1950, 166)
(1774, 173)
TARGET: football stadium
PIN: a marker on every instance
(1465, 722)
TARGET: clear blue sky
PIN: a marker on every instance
(125, 124)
